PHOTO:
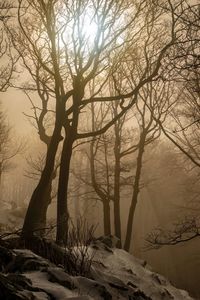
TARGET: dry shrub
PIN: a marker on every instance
(80, 236)
(75, 257)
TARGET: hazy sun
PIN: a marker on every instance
(80, 31)
(89, 27)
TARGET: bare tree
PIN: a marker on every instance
(53, 44)
(157, 100)
(101, 189)
(71, 137)
(109, 152)
(33, 172)
(105, 158)
(41, 119)
(184, 70)
(9, 147)
(7, 59)
(183, 231)
(107, 165)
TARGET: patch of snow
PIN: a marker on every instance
(37, 295)
(26, 253)
(125, 267)
(40, 280)
(115, 274)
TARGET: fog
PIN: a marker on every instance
(167, 189)
(99, 124)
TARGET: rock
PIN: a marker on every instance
(130, 271)
(20, 280)
(159, 279)
(166, 295)
(138, 295)
(13, 288)
(94, 288)
(60, 276)
(119, 287)
(80, 298)
(114, 274)
(108, 240)
(26, 261)
(6, 257)
(10, 243)
(34, 265)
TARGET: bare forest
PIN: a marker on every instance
(100, 128)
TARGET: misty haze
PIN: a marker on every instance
(99, 149)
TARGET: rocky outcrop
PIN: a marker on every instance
(114, 274)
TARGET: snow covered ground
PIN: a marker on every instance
(115, 274)
(131, 271)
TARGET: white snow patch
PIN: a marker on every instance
(109, 266)
(120, 264)
(40, 280)
(37, 295)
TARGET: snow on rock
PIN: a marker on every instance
(40, 280)
(114, 274)
(60, 276)
(25, 260)
(121, 269)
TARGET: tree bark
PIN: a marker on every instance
(106, 217)
(136, 190)
(117, 216)
(102, 196)
(47, 202)
(34, 219)
(70, 137)
(62, 203)
(0, 174)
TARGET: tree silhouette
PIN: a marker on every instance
(56, 50)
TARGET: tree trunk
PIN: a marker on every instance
(34, 219)
(47, 202)
(70, 137)
(117, 150)
(136, 190)
(62, 203)
(106, 217)
(103, 197)
(0, 177)
(117, 217)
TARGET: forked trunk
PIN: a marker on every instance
(70, 137)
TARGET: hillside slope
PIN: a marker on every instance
(114, 274)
